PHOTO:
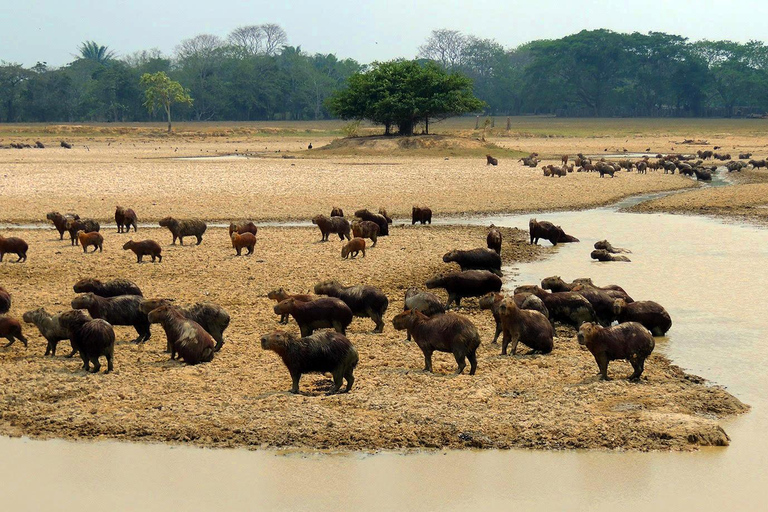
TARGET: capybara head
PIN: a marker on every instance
(31, 316)
(148, 305)
(276, 340)
(488, 300)
(618, 306)
(317, 218)
(158, 314)
(508, 306)
(167, 222)
(73, 318)
(127, 245)
(277, 294)
(586, 330)
(553, 282)
(450, 256)
(83, 301)
(405, 319)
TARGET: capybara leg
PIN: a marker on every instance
(110, 365)
(159, 258)
(138, 258)
(71, 354)
(85, 248)
(375, 239)
(427, 361)
(451, 299)
(602, 363)
(295, 378)
(514, 345)
(408, 337)
(284, 319)
(181, 240)
(461, 361)
(85, 362)
(50, 348)
(350, 378)
(505, 343)
(498, 332)
(363, 253)
(656, 331)
(23, 258)
(219, 341)
(199, 239)
(379, 321)
(338, 327)
(169, 348)
(26, 344)
(96, 365)
(250, 250)
(11, 340)
(338, 380)
(1, 256)
(638, 366)
(174, 240)
(472, 362)
(238, 251)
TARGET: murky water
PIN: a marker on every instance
(709, 275)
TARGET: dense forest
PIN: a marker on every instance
(253, 74)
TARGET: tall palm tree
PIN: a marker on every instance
(90, 50)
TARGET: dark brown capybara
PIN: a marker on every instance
(280, 295)
(244, 226)
(383, 213)
(111, 288)
(353, 248)
(630, 341)
(520, 325)
(448, 332)
(120, 310)
(426, 302)
(5, 301)
(556, 284)
(742, 156)
(10, 329)
(603, 255)
(60, 221)
(364, 301)
(50, 327)
(338, 225)
(85, 225)
(180, 228)
(602, 303)
(469, 283)
(337, 212)
(702, 175)
(493, 240)
(91, 337)
(647, 313)
(145, 248)
(565, 307)
(13, 245)
(186, 337)
(565, 238)
(757, 164)
(606, 245)
(603, 168)
(475, 259)
(318, 314)
(421, 214)
(125, 218)
(489, 160)
(321, 352)
(492, 301)
(211, 317)
(545, 230)
(91, 239)
(245, 241)
(374, 217)
(365, 229)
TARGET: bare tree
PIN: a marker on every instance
(275, 38)
(142, 57)
(248, 40)
(446, 47)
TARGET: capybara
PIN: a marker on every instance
(603, 168)
(338, 225)
(426, 302)
(566, 307)
(318, 314)
(120, 310)
(545, 230)
(180, 228)
(606, 245)
(280, 295)
(50, 327)
(421, 214)
(702, 175)
(186, 337)
(15, 246)
(469, 283)
(125, 218)
(60, 221)
(530, 327)
(353, 247)
(10, 329)
(365, 229)
(630, 341)
(86, 225)
(647, 313)
(383, 213)
(5, 301)
(241, 227)
(603, 255)
(246, 240)
(337, 212)
(374, 217)
(531, 302)
(475, 259)
(601, 302)
(443, 333)
(492, 302)
(321, 352)
(493, 240)
(145, 248)
(556, 284)
(490, 160)
(364, 301)
(111, 288)
(211, 317)
(87, 239)
(93, 338)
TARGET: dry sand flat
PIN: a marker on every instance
(240, 398)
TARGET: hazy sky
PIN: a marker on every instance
(51, 30)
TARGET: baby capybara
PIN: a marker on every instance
(246, 240)
(364, 301)
(185, 337)
(10, 329)
(520, 325)
(353, 248)
(180, 228)
(493, 240)
(120, 310)
(241, 227)
(442, 333)
(111, 288)
(321, 352)
(15, 246)
(365, 229)
(93, 338)
(318, 314)
(647, 313)
(60, 221)
(364, 214)
(475, 259)
(211, 317)
(5, 301)
(145, 248)
(125, 218)
(85, 225)
(337, 212)
(470, 283)
(630, 341)
(421, 214)
(50, 327)
(491, 160)
(338, 225)
(90, 239)
(280, 295)
(426, 302)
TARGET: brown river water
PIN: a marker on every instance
(700, 269)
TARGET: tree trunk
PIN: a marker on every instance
(168, 113)
(426, 125)
(405, 127)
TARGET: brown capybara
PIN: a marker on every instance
(530, 327)
(374, 217)
(383, 213)
(493, 240)
(442, 333)
(186, 337)
(470, 283)
(543, 229)
(603, 255)
(489, 160)
(365, 229)
(426, 302)
(337, 212)
(211, 317)
(125, 218)
(353, 247)
(10, 329)
(475, 259)
(364, 301)
(111, 288)
(120, 310)
(421, 214)
(565, 307)
(606, 245)
(280, 295)
(13, 245)
(246, 240)
(602, 302)
(60, 221)
(647, 313)
(87, 239)
(338, 225)
(50, 327)
(321, 352)
(91, 337)
(241, 227)
(180, 228)
(492, 302)
(145, 248)
(85, 225)
(5, 301)
(556, 284)
(318, 314)
(630, 341)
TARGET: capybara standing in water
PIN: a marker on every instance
(111, 288)
(5, 300)
(93, 338)
(338, 225)
(493, 240)
(364, 301)
(241, 227)
(10, 329)
(185, 337)
(337, 212)
(647, 313)
(280, 295)
(603, 255)
(317, 353)
(470, 283)
(50, 327)
(318, 314)
(246, 240)
(442, 333)
(374, 217)
(530, 327)
(548, 231)
(602, 302)
(353, 247)
(125, 218)
(85, 225)
(630, 341)
(184, 227)
(567, 307)
(87, 239)
(490, 160)
(426, 302)
(475, 259)
(365, 229)
(211, 317)
(556, 284)
(60, 221)
(421, 214)
(145, 248)
(15, 246)
(120, 310)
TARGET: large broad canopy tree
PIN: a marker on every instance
(162, 92)
(403, 93)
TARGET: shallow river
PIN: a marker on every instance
(708, 274)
